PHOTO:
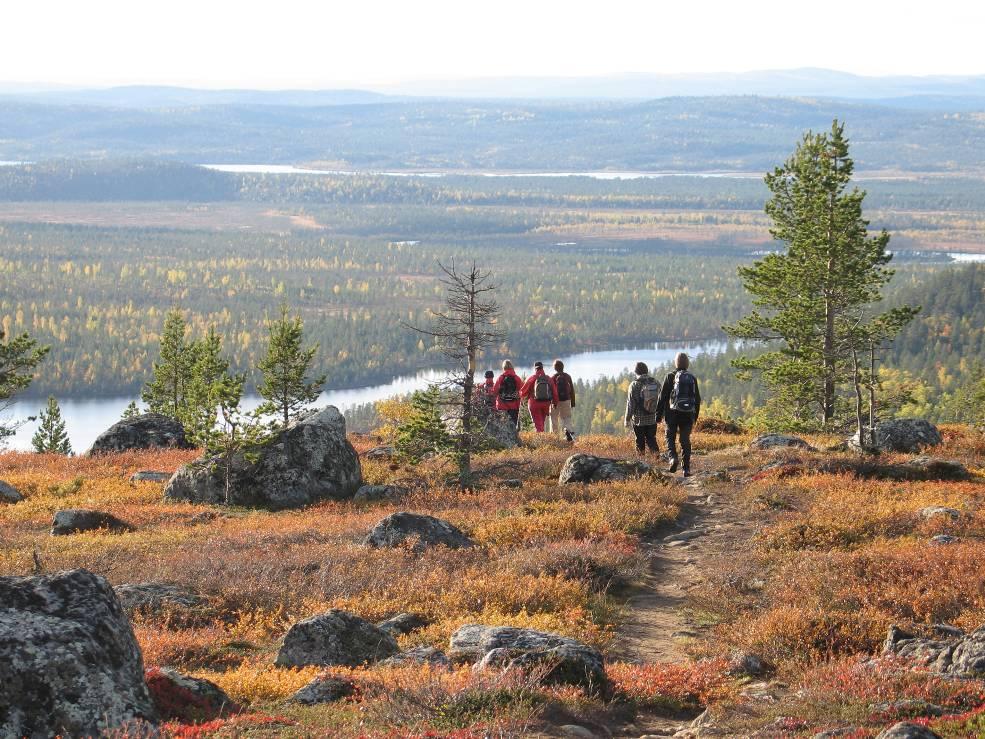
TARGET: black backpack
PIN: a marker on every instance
(508, 391)
(684, 396)
(563, 383)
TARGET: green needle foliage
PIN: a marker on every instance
(18, 359)
(167, 391)
(424, 434)
(207, 374)
(285, 386)
(51, 436)
(131, 411)
(814, 301)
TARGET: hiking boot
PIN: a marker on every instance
(568, 436)
(687, 472)
(673, 465)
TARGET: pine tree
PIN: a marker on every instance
(284, 385)
(131, 411)
(424, 433)
(167, 392)
(208, 371)
(51, 436)
(815, 298)
(19, 357)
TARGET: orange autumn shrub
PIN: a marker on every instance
(672, 686)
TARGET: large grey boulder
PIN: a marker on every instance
(584, 468)
(69, 662)
(779, 441)
(565, 660)
(335, 638)
(78, 520)
(148, 431)
(907, 730)
(908, 435)
(9, 494)
(424, 531)
(498, 430)
(309, 461)
(951, 653)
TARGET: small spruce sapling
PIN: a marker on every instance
(285, 385)
(51, 436)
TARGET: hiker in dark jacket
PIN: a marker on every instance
(680, 403)
(641, 409)
(487, 389)
(540, 393)
(561, 412)
(507, 391)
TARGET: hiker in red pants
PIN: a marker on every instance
(540, 392)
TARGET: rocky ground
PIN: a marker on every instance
(754, 599)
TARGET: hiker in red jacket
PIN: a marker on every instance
(507, 392)
(487, 390)
(540, 392)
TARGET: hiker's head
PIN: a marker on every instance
(558, 365)
(538, 366)
(490, 374)
(507, 364)
(642, 369)
(681, 361)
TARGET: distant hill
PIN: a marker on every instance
(141, 96)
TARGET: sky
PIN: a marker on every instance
(368, 43)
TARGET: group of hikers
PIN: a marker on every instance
(550, 400)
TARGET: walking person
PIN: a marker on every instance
(560, 420)
(680, 402)
(642, 400)
(540, 393)
(507, 392)
(488, 390)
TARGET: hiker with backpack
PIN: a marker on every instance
(642, 401)
(507, 392)
(488, 390)
(540, 393)
(680, 402)
(560, 418)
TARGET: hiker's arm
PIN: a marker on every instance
(697, 400)
(629, 406)
(665, 390)
(571, 390)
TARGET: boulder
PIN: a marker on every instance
(498, 431)
(151, 597)
(779, 441)
(908, 435)
(375, 493)
(907, 730)
(932, 468)
(584, 468)
(424, 531)
(836, 732)
(335, 638)
(148, 431)
(381, 452)
(919, 468)
(77, 520)
(9, 494)
(308, 462)
(179, 697)
(513, 482)
(69, 661)
(951, 653)
(939, 511)
(150, 476)
(565, 660)
(326, 689)
(418, 656)
(403, 623)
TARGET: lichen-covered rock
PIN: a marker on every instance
(148, 431)
(908, 435)
(179, 697)
(150, 476)
(952, 653)
(335, 638)
(381, 452)
(326, 689)
(77, 520)
(403, 623)
(374, 493)
(423, 531)
(939, 511)
(907, 730)
(9, 494)
(779, 441)
(69, 661)
(564, 660)
(498, 431)
(418, 656)
(309, 461)
(152, 597)
(585, 468)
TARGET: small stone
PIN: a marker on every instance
(512, 483)
(381, 452)
(907, 730)
(78, 520)
(9, 494)
(374, 493)
(187, 699)
(150, 597)
(908, 707)
(323, 690)
(575, 730)
(943, 540)
(424, 531)
(419, 655)
(403, 623)
(150, 476)
(937, 511)
(779, 441)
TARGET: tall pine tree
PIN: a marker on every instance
(51, 436)
(208, 371)
(285, 385)
(815, 299)
(19, 356)
(167, 391)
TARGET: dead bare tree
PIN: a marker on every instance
(462, 330)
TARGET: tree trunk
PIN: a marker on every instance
(872, 395)
(857, 382)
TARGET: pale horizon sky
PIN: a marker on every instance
(368, 43)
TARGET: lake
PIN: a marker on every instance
(86, 418)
